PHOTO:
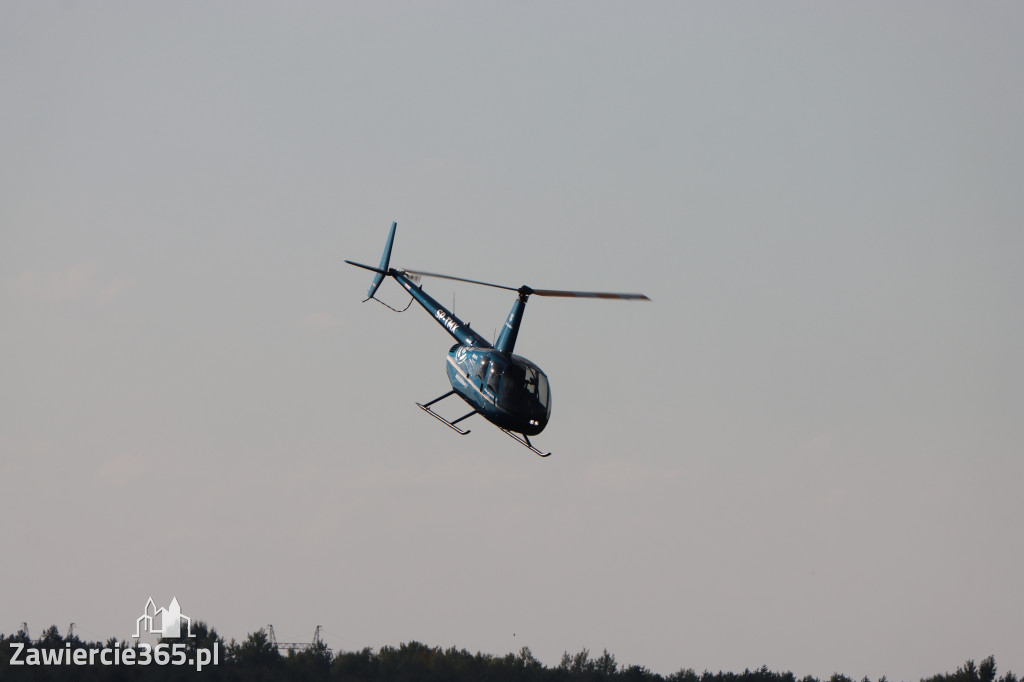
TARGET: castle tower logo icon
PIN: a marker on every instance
(170, 620)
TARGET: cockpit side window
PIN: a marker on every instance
(530, 380)
(494, 379)
(543, 391)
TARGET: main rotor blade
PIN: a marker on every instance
(539, 292)
(459, 279)
(590, 294)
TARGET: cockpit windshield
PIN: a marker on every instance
(525, 385)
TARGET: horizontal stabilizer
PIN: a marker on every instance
(365, 267)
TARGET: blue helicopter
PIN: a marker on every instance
(505, 389)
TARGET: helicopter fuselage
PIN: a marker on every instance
(508, 390)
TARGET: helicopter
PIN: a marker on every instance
(505, 389)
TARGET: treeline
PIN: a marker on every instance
(257, 659)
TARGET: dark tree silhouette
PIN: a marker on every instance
(256, 659)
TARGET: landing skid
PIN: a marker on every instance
(449, 424)
(524, 440)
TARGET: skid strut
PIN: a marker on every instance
(449, 424)
(524, 440)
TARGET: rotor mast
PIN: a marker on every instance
(510, 331)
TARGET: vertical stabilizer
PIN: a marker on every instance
(385, 261)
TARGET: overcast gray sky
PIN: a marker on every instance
(806, 453)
